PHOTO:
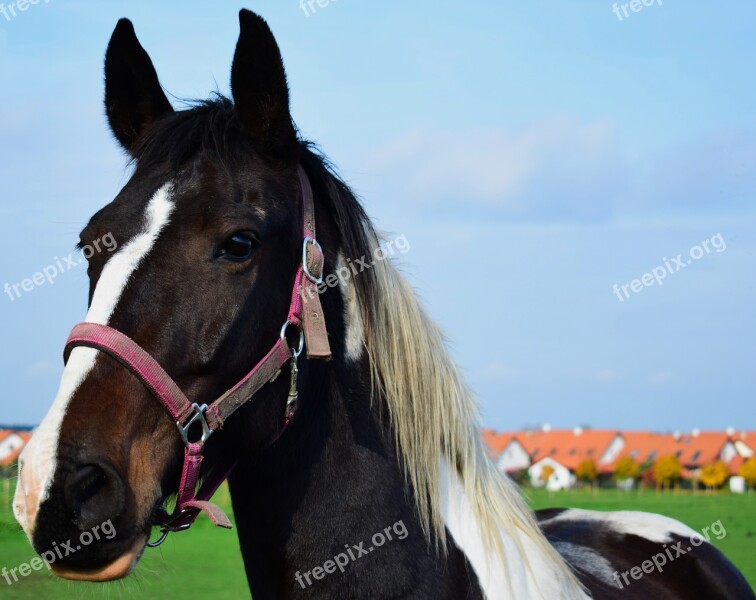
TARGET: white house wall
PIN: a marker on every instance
(612, 452)
(561, 479)
(9, 444)
(513, 458)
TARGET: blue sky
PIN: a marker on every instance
(533, 154)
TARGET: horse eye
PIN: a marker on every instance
(238, 247)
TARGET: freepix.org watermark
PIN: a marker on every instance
(59, 552)
(60, 266)
(10, 11)
(353, 267)
(310, 7)
(353, 553)
(658, 274)
(670, 553)
(620, 8)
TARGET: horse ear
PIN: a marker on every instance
(133, 96)
(260, 91)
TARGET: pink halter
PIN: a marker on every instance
(313, 335)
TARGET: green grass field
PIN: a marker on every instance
(177, 567)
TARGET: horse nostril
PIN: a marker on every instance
(93, 494)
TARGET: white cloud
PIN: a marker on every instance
(555, 169)
(561, 170)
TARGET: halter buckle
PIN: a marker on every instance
(306, 264)
(197, 417)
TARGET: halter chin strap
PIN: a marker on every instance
(189, 415)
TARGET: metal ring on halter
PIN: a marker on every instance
(306, 264)
(198, 417)
(298, 351)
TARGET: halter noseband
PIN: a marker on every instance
(312, 335)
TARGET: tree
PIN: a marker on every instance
(748, 472)
(546, 473)
(10, 470)
(667, 470)
(714, 474)
(646, 474)
(626, 468)
(520, 477)
(587, 471)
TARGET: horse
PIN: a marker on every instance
(229, 337)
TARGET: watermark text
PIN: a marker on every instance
(59, 266)
(58, 552)
(10, 11)
(352, 553)
(635, 6)
(660, 560)
(658, 274)
(352, 267)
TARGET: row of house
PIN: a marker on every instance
(11, 444)
(564, 449)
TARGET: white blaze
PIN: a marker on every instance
(38, 461)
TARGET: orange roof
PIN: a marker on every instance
(746, 437)
(13, 456)
(693, 451)
(571, 447)
(703, 448)
(496, 442)
(566, 446)
(645, 446)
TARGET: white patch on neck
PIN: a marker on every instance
(38, 461)
(462, 524)
(355, 334)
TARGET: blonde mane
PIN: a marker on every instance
(435, 419)
(432, 414)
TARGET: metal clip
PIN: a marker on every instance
(291, 403)
(163, 535)
(167, 528)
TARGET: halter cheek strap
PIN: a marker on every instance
(189, 415)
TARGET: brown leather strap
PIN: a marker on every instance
(313, 318)
(266, 370)
(308, 204)
(137, 360)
